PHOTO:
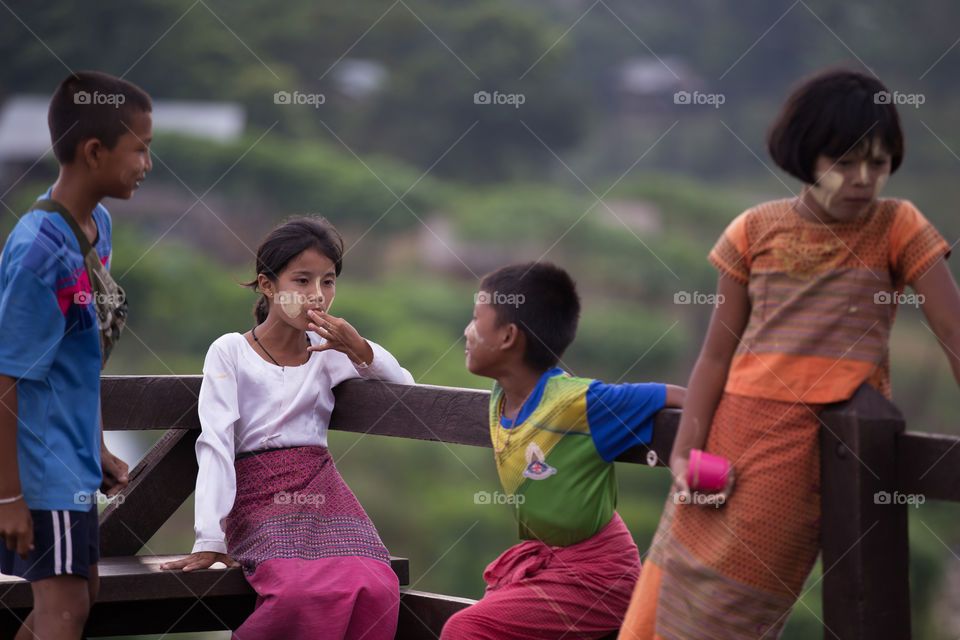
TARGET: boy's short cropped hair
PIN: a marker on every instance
(834, 112)
(91, 104)
(541, 299)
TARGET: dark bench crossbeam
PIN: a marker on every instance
(131, 578)
(420, 412)
(135, 593)
(167, 475)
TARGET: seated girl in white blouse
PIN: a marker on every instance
(268, 494)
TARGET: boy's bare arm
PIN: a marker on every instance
(675, 396)
(16, 526)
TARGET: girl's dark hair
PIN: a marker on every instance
(285, 243)
(833, 112)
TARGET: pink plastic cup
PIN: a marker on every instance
(707, 472)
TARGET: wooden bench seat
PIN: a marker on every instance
(137, 596)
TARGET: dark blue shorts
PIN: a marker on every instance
(65, 543)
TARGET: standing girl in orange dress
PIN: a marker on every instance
(808, 290)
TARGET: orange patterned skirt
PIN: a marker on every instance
(737, 570)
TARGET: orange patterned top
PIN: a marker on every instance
(823, 297)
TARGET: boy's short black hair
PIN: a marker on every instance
(541, 299)
(833, 112)
(91, 104)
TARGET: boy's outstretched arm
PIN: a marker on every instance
(675, 396)
(940, 299)
(16, 525)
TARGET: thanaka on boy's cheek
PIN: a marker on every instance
(127, 164)
(473, 341)
(473, 336)
(481, 336)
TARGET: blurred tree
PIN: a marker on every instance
(436, 57)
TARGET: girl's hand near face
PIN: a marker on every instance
(339, 336)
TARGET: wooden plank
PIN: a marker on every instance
(929, 466)
(137, 597)
(420, 412)
(866, 590)
(422, 614)
(664, 433)
(11, 618)
(228, 612)
(130, 578)
(185, 615)
(165, 477)
(133, 403)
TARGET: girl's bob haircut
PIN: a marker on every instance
(834, 112)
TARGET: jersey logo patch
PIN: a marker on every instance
(537, 469)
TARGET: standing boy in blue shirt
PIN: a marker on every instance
(554, 441)
(52, 456)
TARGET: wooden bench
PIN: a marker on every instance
(135, 587)
(137, 597)
(864, 450)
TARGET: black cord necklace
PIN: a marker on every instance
(253, 332)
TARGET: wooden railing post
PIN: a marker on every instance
(167, 474)
(866, 591)
(158, 486)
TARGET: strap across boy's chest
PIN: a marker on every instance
(108, 298)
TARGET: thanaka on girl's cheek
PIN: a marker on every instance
(826, 188)
(878, 186)
(292, 303)
(877, 151)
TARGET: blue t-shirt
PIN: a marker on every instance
(621, 415)
(51, 345)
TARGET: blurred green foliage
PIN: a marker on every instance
(287, 174)
(557, 179)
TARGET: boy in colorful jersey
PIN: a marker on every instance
(554, 438)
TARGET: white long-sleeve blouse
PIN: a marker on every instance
(247, 403)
